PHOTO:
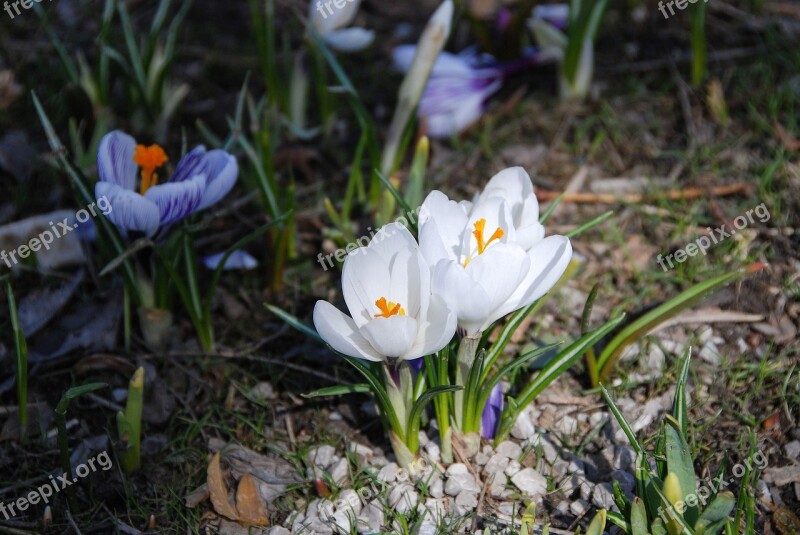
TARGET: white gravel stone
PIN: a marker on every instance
(436, 487)
(792, 450)
(373, 516)
(403, 498)
(388, 473)
(586, 489)
(436, 509)
(322, 456)
(481, 458)
(579, 507)
(340, 471)
(497, 463)
(457, 468)
(348, 500)
(530, 482)
(513, 468)
(428, 528)
(433, 451)
(523, 428)
(423, 438)
(567, 425)
(603, 496)
(509, 449)
(460, 482)
(497, 485)
(278, 530)
(343, 522)
(360, 449)
(569, 484)
(624, 457)
(466, 502)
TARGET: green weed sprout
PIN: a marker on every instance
(21, 352)
(129, 424)
(601, 367)
(667, 500)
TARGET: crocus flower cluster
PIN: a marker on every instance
(475, 263)
(201, 179)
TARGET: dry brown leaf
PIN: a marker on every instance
(248, 503)
(218, 490)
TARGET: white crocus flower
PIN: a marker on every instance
(387, 289)
(330, 18)
(489, 257)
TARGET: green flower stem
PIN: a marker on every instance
(466, 357)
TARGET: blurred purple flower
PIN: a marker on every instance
(491, 413)
(459, 86)
(555, 14)
(200, 180)
(238, 260)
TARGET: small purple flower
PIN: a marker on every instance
(459, 86)
(491, 413)
(200, 180)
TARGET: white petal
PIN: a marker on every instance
(466, 298)
(350, 39)
(497, 214)
(436, 331)
(365, 279)
(392, 238)
(339, 331)
(499, 271)
(549, 261)
(329, 15)
(129, 210)
(515, 187)
(392, 337)
(441, 227)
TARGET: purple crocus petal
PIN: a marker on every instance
(221, 172)
(491, 413)
(238, 260)
(176, 200)
(129, 210)
(416, 365)
(504, 17)
(115, 163)
(555, 14)
(447, 64)
(190, 165)
(451, 108)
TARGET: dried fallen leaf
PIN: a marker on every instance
(786, 522)
(218, 490)
(248, 503)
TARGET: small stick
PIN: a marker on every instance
(635, 198)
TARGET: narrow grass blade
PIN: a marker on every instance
(679, 411)
(623, 423)
(660, 314)
(130, 424)
(341, 390)
(21, 353)
(590, 224)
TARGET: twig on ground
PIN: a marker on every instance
(635, 198)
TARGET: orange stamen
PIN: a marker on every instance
(480, 227)
(389, 309)
(149, 159)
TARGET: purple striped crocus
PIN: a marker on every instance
(201, 178)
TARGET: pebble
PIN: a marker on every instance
(433, 451)
(348, 500)
(523, 428)
(360, 449)
(626, 481)
(388, 473)
(460, 480)
(792, 450)
(509, 449)
(340, 471)
(279, 530)
(579, 507)
(512, 468)
(403, 498)
(603, 496)
(567, 425)
(322, 456)
(342, 522)
(497, 463)
(530, 482)
(624, 458)
(373, 516)
(436, 487)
